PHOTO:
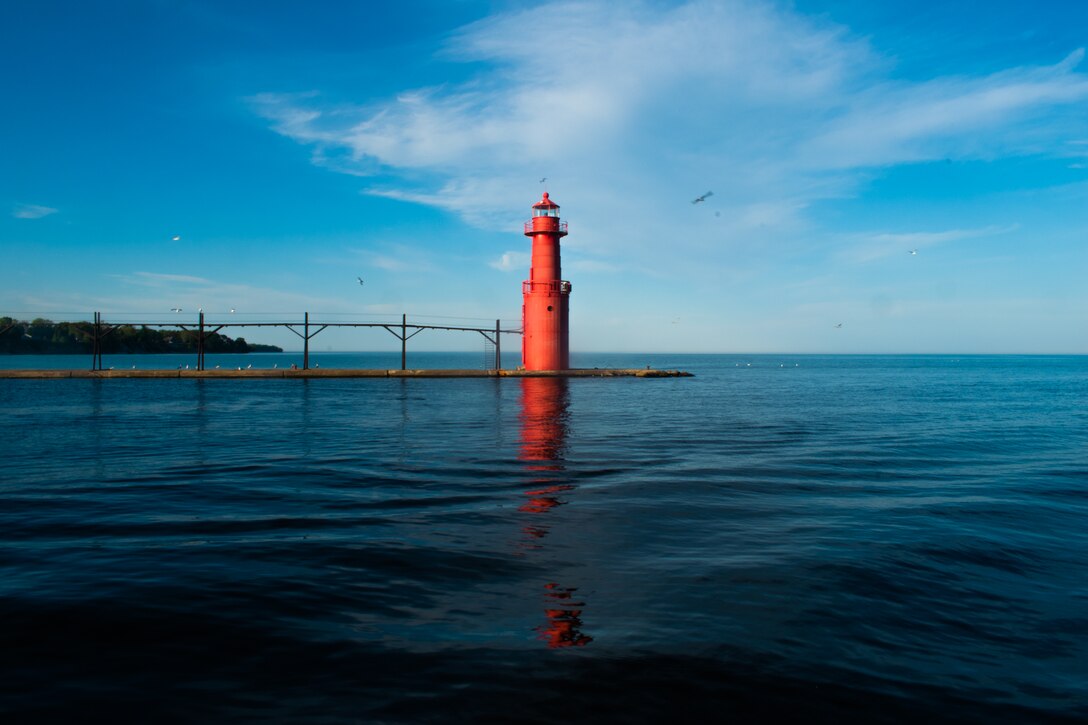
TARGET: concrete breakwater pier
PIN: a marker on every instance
(345, 373)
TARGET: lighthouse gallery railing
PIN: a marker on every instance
(559, 286)
(529, 228)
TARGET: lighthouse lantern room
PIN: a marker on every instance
(545, 319)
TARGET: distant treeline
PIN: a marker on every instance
(45, 337)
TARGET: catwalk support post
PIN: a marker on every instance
(200, 343)
(96, 343)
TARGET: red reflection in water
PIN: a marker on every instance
(544, 499)
(544, 403)
(563, 619)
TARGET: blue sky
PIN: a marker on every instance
(293, 147)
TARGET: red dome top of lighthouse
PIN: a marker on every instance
(545, 203)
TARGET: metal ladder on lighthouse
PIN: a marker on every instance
(489, 354)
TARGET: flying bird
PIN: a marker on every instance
(913, 251)
(232, 310)
(360, 281)
(838, 325)
(543, 179)
(700, 199)
(175, 309)
(176, 238)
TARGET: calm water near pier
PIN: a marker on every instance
(825, 537)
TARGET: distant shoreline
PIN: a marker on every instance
(252, 349)
(45, 337)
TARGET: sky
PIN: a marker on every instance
(893, 177)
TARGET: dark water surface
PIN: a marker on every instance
(826, 538)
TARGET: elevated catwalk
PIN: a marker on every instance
(332, 373)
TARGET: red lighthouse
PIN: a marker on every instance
(544, 344)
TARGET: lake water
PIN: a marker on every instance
(822, 537)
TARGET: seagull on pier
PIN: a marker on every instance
(700, 199)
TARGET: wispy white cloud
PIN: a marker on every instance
(155, 279)
(649, 105)
(164, 291)
(32, 211)
(641, 98)
(510, 261)
(395, 258)
(878, 246)
(1078, 150)
(900, 123)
